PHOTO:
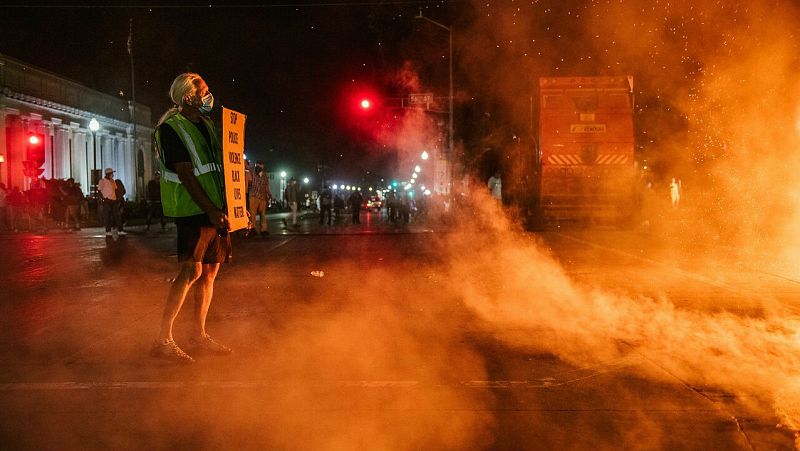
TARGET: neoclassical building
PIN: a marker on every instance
(33, 100)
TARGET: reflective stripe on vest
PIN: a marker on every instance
(204, 169)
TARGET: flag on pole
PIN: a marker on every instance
(130, 39)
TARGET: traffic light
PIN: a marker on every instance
(30, 169)
(365, 104)
(34, 155)
(34, 148)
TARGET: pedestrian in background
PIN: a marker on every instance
(392, 202)
(355, 200)
(4, 223)
(121, 191)
(72, 197)
(36, 200)
(153, 198)
(496, 187)
(112, 217)
(248, 182)
(290, 193)
(675, 192)
(192, 192)
(325, 201)
(16, 207)
(260, 197)
(405, 207)
(338, 206)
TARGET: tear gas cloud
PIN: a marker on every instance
(717, 99)
(717, 106)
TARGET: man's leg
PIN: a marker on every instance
(293, 207)
(203, 295)
(189, 273)
(108, 214)
(264, 225)
(165, 346)
(202, 301)
(149, 217)
(160, 210)
(253, 212)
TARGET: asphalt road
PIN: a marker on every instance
(415, 337)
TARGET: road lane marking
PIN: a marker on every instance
(683, 272)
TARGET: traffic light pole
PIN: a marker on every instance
(450, 96)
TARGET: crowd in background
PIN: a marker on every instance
(47, 204)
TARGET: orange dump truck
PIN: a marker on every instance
(586, 149)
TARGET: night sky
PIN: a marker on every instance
(295, 69)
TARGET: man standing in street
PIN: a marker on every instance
(153, 197)
(496, 187)
(73, 196)
(325, 205)
(111, 214)
(291, 196)
(192, 192)
(260, 196)
(355, 200)
(3, 206)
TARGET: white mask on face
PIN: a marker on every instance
(208, 103)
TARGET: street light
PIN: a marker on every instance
(305, 180)
(417, 169)
(424, 155)
(94, 126)
(450, 42)
(283, 188)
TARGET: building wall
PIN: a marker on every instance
(34, 100)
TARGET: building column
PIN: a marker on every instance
(3, 149)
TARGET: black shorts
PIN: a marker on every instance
(200, 242)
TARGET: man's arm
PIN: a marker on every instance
(186, 175)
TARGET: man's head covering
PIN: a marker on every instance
(109, 171)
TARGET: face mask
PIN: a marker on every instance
(208, 103)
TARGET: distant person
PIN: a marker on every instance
(121, 191)
(338, 206)
(391, 205)
(290, 194)
(37, 198)
(355, 200)
(496, 187)
(153, 198)
(15, 207)
(107, 187)
(405, 207)
(192, 192)
(260, 196)
(4, 223)
(248, 181)
(73, 198)
(675, 192)
(325, 201)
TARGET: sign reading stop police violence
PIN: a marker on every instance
(233, 166)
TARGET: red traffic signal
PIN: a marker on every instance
(34, 149)
(366, 104)
(31, 169)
